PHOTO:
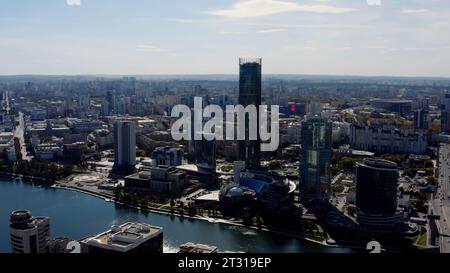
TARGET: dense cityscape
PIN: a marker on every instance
(225, 135)
(359, 160)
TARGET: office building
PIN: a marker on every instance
(421, 119)
(124, 145)
(384, 139)
(167, 156)
(315, 160)
(421, 107)
(250, 94)
(402, 107)
(84, 102)
(205, 153)
(7, 145)
(376, 194)
(29, 234)
(127, 238)
(445, 113)
(106, 108)
(160, 179)
(314, 108)
(119, 105)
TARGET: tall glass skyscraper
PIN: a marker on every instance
(315, 160)
(250, 94)
(124, 146)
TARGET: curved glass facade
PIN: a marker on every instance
(376, 187)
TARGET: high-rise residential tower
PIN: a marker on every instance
(315, 160)
(421, 107)
(29, 234)
(421, 119)
(124, 146)
(250, 77)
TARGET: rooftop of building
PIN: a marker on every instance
(125, 237)
(391, 100)
(380, 164)
(198, 169)
(167, 149)
(198, 248)
(147, 174)
(23, 219)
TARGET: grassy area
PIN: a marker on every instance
(166, 206)
(227, 168)
(423, 240)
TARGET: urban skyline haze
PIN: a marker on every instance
(326, 37)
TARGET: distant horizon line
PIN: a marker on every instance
(223, 74)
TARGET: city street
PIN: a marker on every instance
(441, 204)
(20, 134)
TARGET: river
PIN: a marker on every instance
(78, 215)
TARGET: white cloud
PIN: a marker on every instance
(150, 48)
(256, 8)
(73, 2)
(440, 48)
(272, 30)
(411, 11)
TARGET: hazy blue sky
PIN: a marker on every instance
(340, 37)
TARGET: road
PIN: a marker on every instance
(441, 202)
(20, 134)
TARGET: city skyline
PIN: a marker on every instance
(311, 37)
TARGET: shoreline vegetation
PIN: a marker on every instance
(166, 212)
(111, 198)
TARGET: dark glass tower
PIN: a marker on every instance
(250, 94)
(376, 187)
(445, 113)
(315, 160)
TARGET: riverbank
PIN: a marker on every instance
(78, 215)
(30, 178)
(110, 198)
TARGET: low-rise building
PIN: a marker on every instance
(160, 179)
(49, 150)
(84, 125)
(102, 137)
(127, 238)
(7, 146)
(198, 248)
